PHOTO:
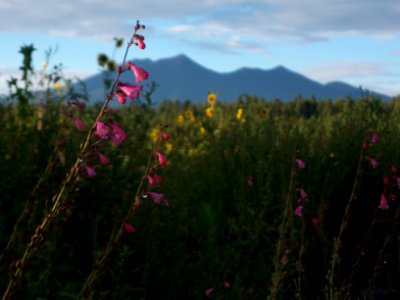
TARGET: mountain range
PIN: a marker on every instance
(181, 78)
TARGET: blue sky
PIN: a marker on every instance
(356, 41)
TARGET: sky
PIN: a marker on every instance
(355, 41)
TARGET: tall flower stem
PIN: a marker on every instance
(117, 234)
(18, 268)
(276, 276)
(337, 241)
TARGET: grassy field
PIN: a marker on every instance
(294, 200)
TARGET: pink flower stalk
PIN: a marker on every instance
(300, 163)
(140, 74)
(161, 158)
(90, 171)
(128, 228)
(383, 203)
(208, 292)
(299, 211)
(157, 197)
(102, 130)
(117, 134)
(103, 159)
(303, 194)
(129, 90)
(79, 124)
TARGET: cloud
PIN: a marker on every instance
(305, 20)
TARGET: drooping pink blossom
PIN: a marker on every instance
(227, 285)
(383, 203)
(140, 73)
(208, 292)
(300, 163)
(91, 171)
(117, 134)
(375, 137)
(303, 194)
(103, 159)
(141, 44)
(298, 211)
(128, 228)
(79, 124)
(393, 169)
(161, 158)
(386, 180)
(392, 196)
(121, 98)
(129, 90)
(315, 221)
(165, 136)
(157, 197)
(102, 129)
(372, 161)
(154, 179)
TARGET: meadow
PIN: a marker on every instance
(246, 199)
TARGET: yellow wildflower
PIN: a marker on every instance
(190, 115)
(211, 99)
(202, 130)
(239, 113)
(264, 112)
(209, 112)
(168, 147)
(180, 119)
(57, 85)
(154, 133)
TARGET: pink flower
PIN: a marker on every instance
(208, 292)
(140, 74)
(250, 180)
(227, 285)
(383, 203)
(117, 134)
(157, 197)
(141, 44)
(375, 137)
(165, 136)
(79, 124)
(155, 179)
(121, 98)
(300, 164)
(398, 181)
(386, 181)
(90, 171)
(392, 196)
(393, 169)
(303, 194)
(128, 228)
(285, 257)
(373, 162)
(129, 90)
(161, 158)
(315, 221)
(298, 211)
(102, 130)
(103, 159)
(80, 105)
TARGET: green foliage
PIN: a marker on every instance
(218, 227)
